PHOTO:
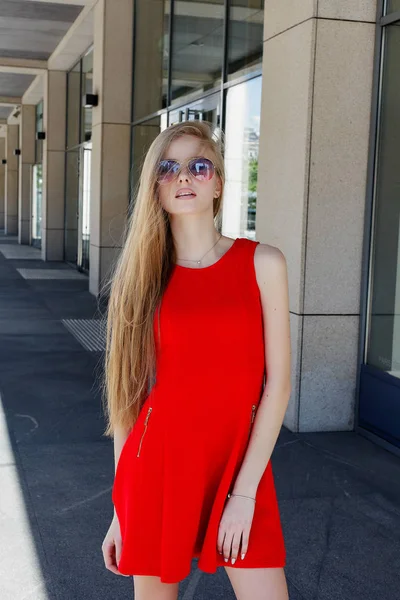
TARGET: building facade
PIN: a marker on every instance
(306, 96)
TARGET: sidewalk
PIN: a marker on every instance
(339, 494)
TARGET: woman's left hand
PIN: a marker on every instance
(235, 524)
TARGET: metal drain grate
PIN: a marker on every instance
(91, 333)
(51, 274)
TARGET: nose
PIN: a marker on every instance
(184, 173)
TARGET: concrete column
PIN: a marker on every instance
(2, 180)
(54, 121)
(315, 120)
(11, 187)
(112, 81)
(27, 145)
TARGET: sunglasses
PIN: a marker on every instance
(201, 168)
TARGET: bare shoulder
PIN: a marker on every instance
(269, 263)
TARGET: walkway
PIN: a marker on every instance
(339, 493)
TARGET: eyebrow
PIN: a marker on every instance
(177, 159)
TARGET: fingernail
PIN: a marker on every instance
(243, 555)
(233, 560)
(225, 559)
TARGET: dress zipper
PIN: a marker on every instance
(145, 429)
(253, 414)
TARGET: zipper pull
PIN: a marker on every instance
(148, 415)
(144, 430)
(253, 413)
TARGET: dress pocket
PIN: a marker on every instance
(146, 423)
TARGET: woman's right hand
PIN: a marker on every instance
(111, 547)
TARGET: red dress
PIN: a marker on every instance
(185, 450)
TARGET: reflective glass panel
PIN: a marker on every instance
(84, 205)
(242, 134)
(87, 88)
(71, 205)
(142, 136)
(245, 37)
(392, 6)
(39, 127)
(205, 109)
(37, 192)
(197, 47)
(150, 81)
(383, 344)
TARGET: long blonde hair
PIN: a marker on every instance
(139, 279)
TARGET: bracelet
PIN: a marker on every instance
(231, 495)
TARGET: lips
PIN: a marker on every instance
(184, 193)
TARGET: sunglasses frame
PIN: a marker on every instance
(181, 166)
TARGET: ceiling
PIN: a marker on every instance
(30, 30)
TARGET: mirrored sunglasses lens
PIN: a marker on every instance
(166, 170)
(202, 169)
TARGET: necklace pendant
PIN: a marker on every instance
(198, 262)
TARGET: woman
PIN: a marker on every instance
(204, 318)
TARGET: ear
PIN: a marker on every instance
(218, 188)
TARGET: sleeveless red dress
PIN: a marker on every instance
(182, 456)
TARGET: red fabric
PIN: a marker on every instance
(210, 368)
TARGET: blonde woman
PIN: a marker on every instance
(197, 382)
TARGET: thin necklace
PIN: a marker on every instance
(199, 261)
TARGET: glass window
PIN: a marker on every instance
(383, 344)
(73, 105)
(205, 109)
(87, 88)
(39, 127)
(85, 159)
(392, 6)
(197, 47)
(37, 194)
(242, 134)
(245, 38)
(71, 205)
(37, 182)
(150, 82)
(142, 137)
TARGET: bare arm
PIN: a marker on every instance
(272, 279)
(120, 437)
(112, 543)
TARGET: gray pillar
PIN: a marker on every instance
(112, 81)
(27, 145)
(11, 201)
(2, 180)
(54, 120)
(315, 120)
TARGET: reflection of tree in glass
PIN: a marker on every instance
(252, 194)
(253, 174)
(250, 163)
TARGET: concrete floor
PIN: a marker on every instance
(339, 494)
